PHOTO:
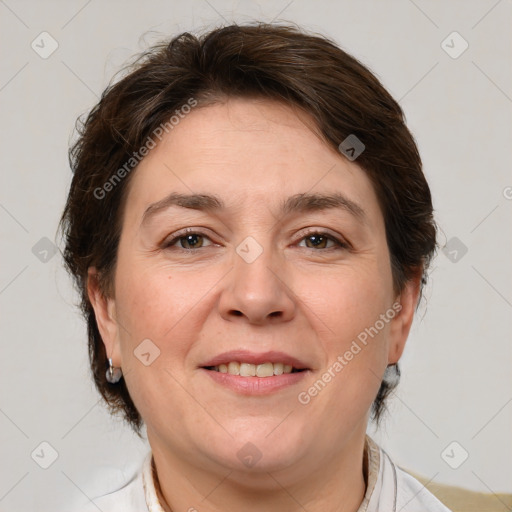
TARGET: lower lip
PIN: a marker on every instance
(256, 385)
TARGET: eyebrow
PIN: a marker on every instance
(298, 203)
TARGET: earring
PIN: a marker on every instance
(392, 374)
(113, 374)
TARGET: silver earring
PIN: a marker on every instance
(113, 374)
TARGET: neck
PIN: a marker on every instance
(337, 483)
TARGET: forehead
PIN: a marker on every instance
(251, 152)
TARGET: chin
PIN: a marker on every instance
(260, 450)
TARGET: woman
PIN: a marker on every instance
(249, 227)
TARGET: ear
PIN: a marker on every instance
(104, 310)
(405, 305)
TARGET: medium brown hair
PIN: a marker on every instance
(261, 60)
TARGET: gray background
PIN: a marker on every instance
(456, 383)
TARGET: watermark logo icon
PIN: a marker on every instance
(44, 250)
(44, 455)
(454, 455)
(352, 147)
(454, 45)
(249, 250)
(455, 249)
(249, 454)
(44, 45)
(146, 352)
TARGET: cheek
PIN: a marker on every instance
(350, 312)
(358, 339)
(162, 305)
(159, 314)
(350, 300)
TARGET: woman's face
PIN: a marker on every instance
(283, 260)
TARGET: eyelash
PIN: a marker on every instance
(340, 243)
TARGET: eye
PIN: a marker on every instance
(319, 240)
(189, 240)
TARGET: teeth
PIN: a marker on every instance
(247, 370)
(234, 368)
(265, 370)
(253, 370)
(278, 368)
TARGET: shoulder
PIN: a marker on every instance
(397, 490)
(413, 496)
(409, 494)
(128, 496)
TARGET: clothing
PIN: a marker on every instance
(389, 489)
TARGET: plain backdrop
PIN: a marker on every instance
(455, 397)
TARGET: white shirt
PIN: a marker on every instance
(389, 489)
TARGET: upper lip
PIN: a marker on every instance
(245, 356)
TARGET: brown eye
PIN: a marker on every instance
(321, 241)
(316, 241)
(188, 241)
(193, 241)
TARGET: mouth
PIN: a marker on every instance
(251, 364)
(253, 374)
(248, 373)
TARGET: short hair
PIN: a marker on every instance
(258, 60)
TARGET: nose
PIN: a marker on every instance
(257, 292)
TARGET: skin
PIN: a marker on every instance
(310, 301)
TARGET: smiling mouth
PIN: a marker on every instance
(254, 370)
